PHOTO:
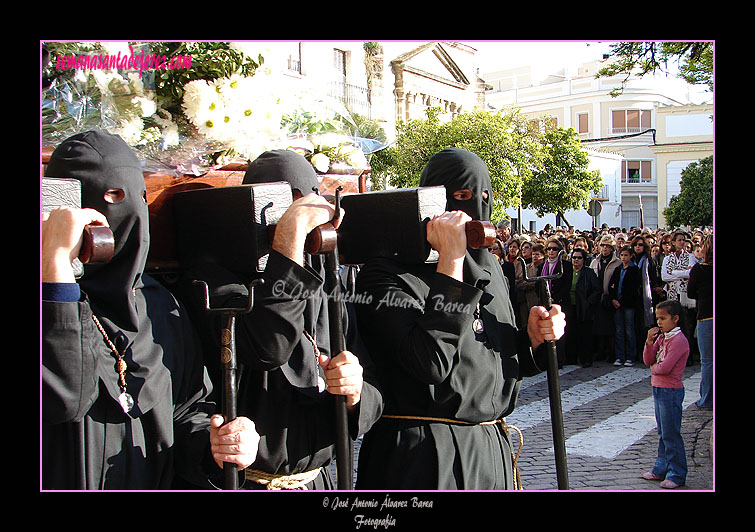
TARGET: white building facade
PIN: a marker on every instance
(639, 184)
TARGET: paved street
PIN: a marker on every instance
(610, 430)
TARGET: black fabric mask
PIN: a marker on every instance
(282, 165)
(116, 290)
(301, 369)
(458, 169)
(101, 162)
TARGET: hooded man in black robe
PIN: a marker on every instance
(154, 426)
(448, 354)
(283, 344)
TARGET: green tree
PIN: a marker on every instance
(695, 61)
(694, 204)
(500, 139)
(545, 171)
(562, 182)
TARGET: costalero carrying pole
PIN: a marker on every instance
(324, 240)
(554, 387)
(228, 361)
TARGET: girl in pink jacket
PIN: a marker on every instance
(666, 352)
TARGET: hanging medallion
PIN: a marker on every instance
(126, 402)
(477, 325)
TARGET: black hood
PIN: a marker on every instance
(458, 169)
(301, 369)
(282, 165)
(102, 161)
(117, 290)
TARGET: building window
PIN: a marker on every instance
(629, 121)
(339, 63)
(294, 59)
(582, 124)
(636, 171)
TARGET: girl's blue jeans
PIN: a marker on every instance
(671, 462)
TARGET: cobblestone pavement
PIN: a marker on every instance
(610, 430)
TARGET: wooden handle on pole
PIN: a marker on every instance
(480, 234)
(97, 246)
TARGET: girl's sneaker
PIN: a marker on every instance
(617, 363)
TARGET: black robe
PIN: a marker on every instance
(278, 381)
(88, 442)
(431, 363)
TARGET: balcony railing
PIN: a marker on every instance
(354, 97)
(626, 130)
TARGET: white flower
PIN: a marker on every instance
(170, 136)
(203, 106)
(147, 106)
(356, 158)
(228, 88)
(321, 162)
(193, 97)
(131, 131)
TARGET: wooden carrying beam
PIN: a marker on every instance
(392, 224)
(228, 226)
(161, 188)
(97, 244)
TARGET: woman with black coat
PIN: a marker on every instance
(604, 328)
(580, 308)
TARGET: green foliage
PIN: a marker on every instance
(563, 181)
(545, 171)
(695, 61)
(362, 126)
(694, 204)
(496, 138)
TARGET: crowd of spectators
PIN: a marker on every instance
(612, 280)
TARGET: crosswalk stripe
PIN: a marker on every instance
(543, 375)
(531, 414)
(609, 438)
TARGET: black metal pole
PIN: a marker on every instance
(323, 240)
(554, 395)
(344, 445)
(554, 386)
(228, 359)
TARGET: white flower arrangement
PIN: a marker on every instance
(131, 111)
(242, 113)
(230, 118)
